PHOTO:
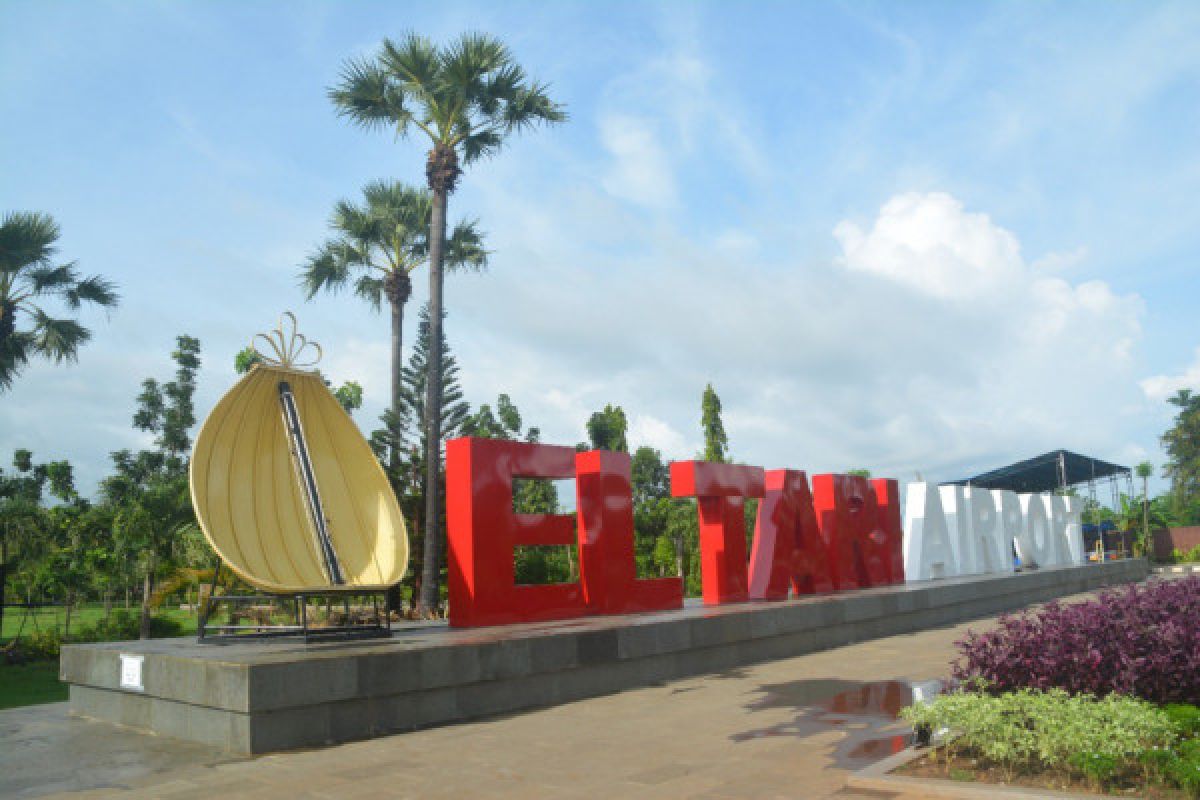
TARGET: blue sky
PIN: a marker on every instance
(916, 237)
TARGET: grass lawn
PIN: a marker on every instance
(37, 682)
(49, 618)
(30, 684)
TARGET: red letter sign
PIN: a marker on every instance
(482, 530)
(606, 563)
(887, 503)
(862, 546)
(719, 490)
(788, 548)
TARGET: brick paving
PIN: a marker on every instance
(789, 728)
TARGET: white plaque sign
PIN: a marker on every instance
(131, 672)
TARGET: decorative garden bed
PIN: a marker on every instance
(1099, 696)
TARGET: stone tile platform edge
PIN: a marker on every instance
(878, 777)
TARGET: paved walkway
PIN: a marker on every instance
(788, 728)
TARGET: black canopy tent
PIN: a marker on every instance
(1056, 470)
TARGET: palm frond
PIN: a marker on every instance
(464, 247)
(413, 66)
(355, 222)
(370, 288)
(57, 339)
(15, 352)
(93, 289)
(50, 280)
(326, 270)
(27, 238)
(530, 105)
(368, 96)
(480, 144)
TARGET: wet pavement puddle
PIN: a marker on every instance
(866, 713)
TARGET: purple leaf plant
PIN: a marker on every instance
(1141, 640)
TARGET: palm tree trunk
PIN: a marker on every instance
(3, 577)
(1149, 544)
(147, 588)
(431, 569)
(394, 595)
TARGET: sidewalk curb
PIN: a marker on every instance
(877, 778)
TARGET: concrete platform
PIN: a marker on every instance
(263, 697)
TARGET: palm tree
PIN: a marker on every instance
(467, 97)
(1144, 471)
(27, 279)
(378, 245)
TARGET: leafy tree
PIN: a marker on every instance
(651, 477)
(859, 472)
(651, 480)
(28, 278)
(716, 443)
(467, 98)
(377, 245)
(1182, 443)
(20, 513)
(149, 490)
(1144, 470)
(505, 423)
(606, 429)
(167, 410)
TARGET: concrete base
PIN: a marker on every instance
(267, 696)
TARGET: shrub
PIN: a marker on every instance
(1185, 556)
(1141, 640)
(41, 645)
(1185, 717)
(126, 624)
(1030, 730)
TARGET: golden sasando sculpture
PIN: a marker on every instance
(285, 487)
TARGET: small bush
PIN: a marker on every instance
(41, 645)
(1185, 717)
(125, 624)
(1029, 730)
(1185, 556)
(1141, 640)
(1183, 767)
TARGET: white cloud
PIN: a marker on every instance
(818, 368)
(1160, 387)
(1061, 262)
(646, 430)
(928, 242)
(640, 171)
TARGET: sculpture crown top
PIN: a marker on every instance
(286, 346)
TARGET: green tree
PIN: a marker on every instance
(467, 98)
(650, 476)
(29, 277)
(716, 443)
(859, 472)
(21, 514)
(376, 246)
(505, 423)
(168, 410)
(1182, 443)
(651, 482)
(1144, 470)
(153, 518)
(606, 429)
